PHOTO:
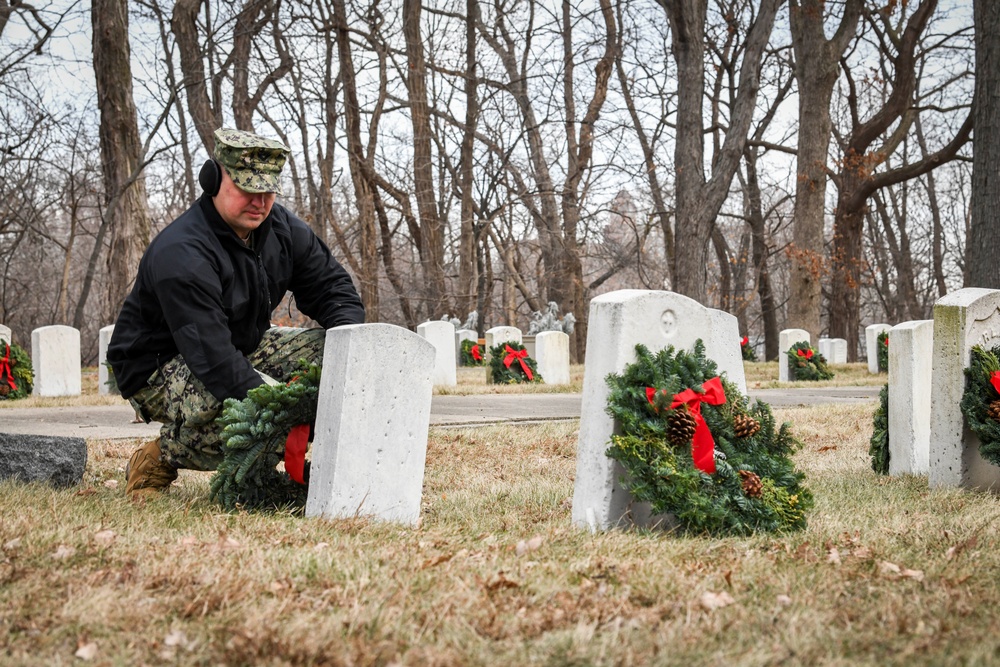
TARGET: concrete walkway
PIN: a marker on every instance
(116, 421)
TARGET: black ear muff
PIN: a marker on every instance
(210, 177)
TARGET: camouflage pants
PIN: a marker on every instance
(190, 438)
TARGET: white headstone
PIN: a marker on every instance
(871, 344)
(5, 334)
(104, 339)
(374, 410)
(552, 348)
(463, 335)
(529, 344)
(964, 318)
(55, 359)
(838, 351)
(910, 386)
(823, 347)
(442, 336)
(618, 321)
(786, 339)
(498, 335)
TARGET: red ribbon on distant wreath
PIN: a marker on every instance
(703, 444)
(808, 354)
(295, 452)
(744, 341)
(5, 369)
(520, 355)
(476, 354)
(995, 380)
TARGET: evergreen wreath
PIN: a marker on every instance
(755, 486)
(469, 352)
(17, 377)
(805, 363)
(882, 351)
(254, 431)
(747, 349)
(510, 364)
(878, 446)
(981, 400)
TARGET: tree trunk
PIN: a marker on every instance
(758, 230)
(431, 227)
(121, 148)
(816, 70)
(466, 292)
(207, 116)
(983, 249)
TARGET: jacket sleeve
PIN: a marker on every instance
(322, 287)
(190, 293)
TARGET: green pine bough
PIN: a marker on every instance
(17, 368)
(254, 431)
(748, 352)
(878, 446)
(882, 351)
(501, 374)
(810, 365)
(664, 475)
(466, 353)
(980, 393)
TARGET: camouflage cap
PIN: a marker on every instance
(254, 163)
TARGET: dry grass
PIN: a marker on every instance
(764, 375)
(887, 573)
(89, 396)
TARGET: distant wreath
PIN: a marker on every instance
(805, 363)
(882, 351)
(747, 349)
(981, 400)
(510, 364)
(16, 375)
(472, 353)
(694, 447)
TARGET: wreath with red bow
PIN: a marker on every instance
(510, 364)
(981, 400)
(472, 353)
(733, 475)
(805, 363)
(16, 374)
(747, 349)
(882, 351)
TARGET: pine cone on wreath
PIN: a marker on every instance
(751, 484)
(4, 390)
(993, 410)
(745, 426)
(681, 426)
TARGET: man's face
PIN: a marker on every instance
(243, 211)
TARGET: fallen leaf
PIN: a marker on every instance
(436, 560)
(833, 556)
(187, 541)
(956, 549)
(87, 651)
(784, 600)
(319, 546)
(175, 638)
(711, 601)
(111, 483)
(12, 544)
(826, 448)
(728, 576)
(916, 575)
(63, 552)
(104, 537)
(499, 581)
(885, 567)
(862, 552)
(89, 491)
(527, 546)
(228, 544)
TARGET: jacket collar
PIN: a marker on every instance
(224, 231)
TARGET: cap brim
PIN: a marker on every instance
(254, 181)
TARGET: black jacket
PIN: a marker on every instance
(203, 294)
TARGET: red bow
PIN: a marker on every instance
(995, 380)
(295, 452)
(5, 369)
(744, 341)
(807, 353)
(520, 355)
(703, 444)
(476, 354)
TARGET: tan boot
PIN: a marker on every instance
(146, 471)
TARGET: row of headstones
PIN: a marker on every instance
(55, 359)
(927, 362)
(549, 349)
